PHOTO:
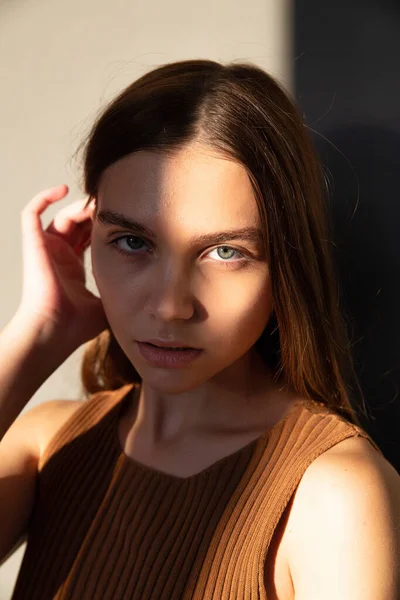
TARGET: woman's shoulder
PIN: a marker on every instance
(348, 455)
(333, 430)
(51, 416)
(347, 504)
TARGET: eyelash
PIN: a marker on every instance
(113, 243)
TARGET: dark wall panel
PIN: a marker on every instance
(347, 82)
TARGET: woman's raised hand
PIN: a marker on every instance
(55, 298)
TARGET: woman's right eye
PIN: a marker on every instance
(115, 244)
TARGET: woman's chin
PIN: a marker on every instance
(165, 381)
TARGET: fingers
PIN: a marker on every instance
(70, 217)
(80, 248)
(72, 223)
(30, 215)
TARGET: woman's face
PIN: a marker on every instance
(171, 282)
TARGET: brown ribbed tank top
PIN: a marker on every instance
(105, 526)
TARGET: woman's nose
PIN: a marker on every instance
(170, 299)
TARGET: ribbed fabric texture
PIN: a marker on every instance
(107, 527)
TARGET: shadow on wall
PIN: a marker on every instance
(347, 82)
(366, 230)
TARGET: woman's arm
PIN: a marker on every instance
(344, 529)
(25, 363)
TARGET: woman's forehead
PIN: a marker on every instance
(192, 183)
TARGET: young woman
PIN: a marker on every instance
(217, 454)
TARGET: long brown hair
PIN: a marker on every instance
(243, 113)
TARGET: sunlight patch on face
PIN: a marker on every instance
(193, 192)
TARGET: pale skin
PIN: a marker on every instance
(339, 537)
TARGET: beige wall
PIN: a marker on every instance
(60, 61)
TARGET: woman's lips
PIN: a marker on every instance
(168, 344)
(167, 357)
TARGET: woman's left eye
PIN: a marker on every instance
(225, 253)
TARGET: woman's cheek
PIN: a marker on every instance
(110, 269)
(251, 304)
(246, 293)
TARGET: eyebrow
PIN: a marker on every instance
(248, 234)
